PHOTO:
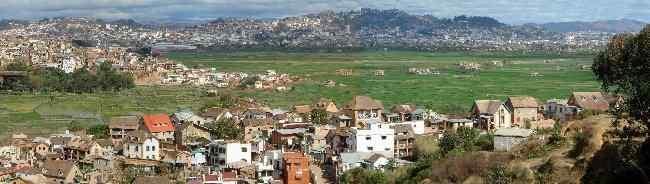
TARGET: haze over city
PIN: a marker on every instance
(508, 11)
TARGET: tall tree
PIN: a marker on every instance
(624, 69)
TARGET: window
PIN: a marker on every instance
(369, 148)
(137, 148)
(387, 149)
(153, 148)
(368, 138)
(244, 149)
(383, 137)
(147, 148)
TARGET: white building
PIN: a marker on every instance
(224, 153)
(141, 145)
(377, 137)
(269, 166)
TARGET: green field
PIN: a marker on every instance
(451, 92)
(38, 114)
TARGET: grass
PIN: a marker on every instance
(453, 91)
(40, 114)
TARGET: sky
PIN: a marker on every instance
(508, 11)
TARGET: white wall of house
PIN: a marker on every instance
(503, 117)
(148, 149)
(151, 149)
(169, 136)
(377, 138)
(229, 152)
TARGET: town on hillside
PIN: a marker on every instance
(248, 142)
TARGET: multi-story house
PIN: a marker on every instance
(141, 145)
(120, 126)
(363, 109)
(376, 137)
(296, 168)
(190, 132)
(404, 141)
(490, 114)
(523, 109)
(160, 126)
(223, 153)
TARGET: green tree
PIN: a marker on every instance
(82, 82)
(363, 176)
(225, 129)
(17, 83)
(98, 131)
(623, 70)
(319, 116)
(448, 142)
(249, 82)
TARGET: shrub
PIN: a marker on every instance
(498, 174)
(581, 141)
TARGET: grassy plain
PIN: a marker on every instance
(451, 92)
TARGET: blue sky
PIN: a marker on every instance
(508, 11)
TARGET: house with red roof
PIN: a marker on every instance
(160, 126)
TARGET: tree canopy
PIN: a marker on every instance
(624, 69)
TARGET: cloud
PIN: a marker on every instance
(510, 11)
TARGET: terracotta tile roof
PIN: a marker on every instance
(590, 100)
(125, 122)
(522, 102)
(158, 123)
(487, 106)
(363, 103)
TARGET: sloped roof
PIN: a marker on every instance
(590, 100)
(374, 158)
(487, 106)
(137, 136)
(406, 108)
(513, 132)
(213, 112)
(522, 102)
(401, 128)
(158, 123)
(52, 168)
(125, 122)
(302, 109)
(363, 103)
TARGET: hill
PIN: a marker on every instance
(616, 26)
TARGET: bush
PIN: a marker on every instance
(581, 141)
(486, 142)
(556, 135)
(498, 174)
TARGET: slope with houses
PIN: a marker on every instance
(275, 145)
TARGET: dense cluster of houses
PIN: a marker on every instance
(179, 74)
(277, 146)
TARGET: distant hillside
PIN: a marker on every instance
(10, 23)
(616, 26)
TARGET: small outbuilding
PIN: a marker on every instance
(506, 138)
